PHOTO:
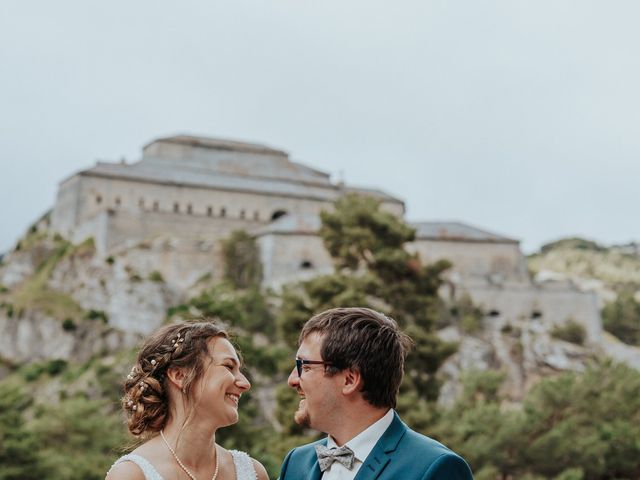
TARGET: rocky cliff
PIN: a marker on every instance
(64, 302)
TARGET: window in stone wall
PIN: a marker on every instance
(210, 211)
(277, 214)
(256, 215)
(189, 208)
(156, 206)
(118, 201)
(536, 314)
(98, 199)
(223, 212)
(494, 313)
(242, 213)
(176, 207)
(306, 265)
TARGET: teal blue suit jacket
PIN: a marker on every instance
(400, 453)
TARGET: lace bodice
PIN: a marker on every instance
(242, 462)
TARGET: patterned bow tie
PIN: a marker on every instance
(326, 456)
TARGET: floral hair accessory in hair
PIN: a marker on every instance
(177, 341)
(131, 373)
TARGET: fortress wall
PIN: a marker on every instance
(180, 262)
(476, 259)
(133, 197)
(283, 257)
(96, 228)
(183, 254)
(65, 210)
(126, 229)
(555, 306)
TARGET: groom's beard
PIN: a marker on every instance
(302, 417)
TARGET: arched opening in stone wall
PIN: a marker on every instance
(210, 211)
(306, 265)
(277, 214)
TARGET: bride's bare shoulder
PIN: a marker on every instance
(261, 472)
(125, 471)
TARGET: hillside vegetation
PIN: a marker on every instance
(618, 267)
(615, 269)
(62, 420)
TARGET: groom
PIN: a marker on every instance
(348, 371)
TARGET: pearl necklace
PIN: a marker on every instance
(186, 470)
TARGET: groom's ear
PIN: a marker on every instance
(352, 381)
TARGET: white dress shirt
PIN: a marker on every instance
(361, 444)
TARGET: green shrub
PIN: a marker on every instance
(622, 318)
(508, 329)
(78, 424)
(134, 277)
(156, 276)
(205, 277)
(471, 323)
(31, 372)
(54, 367)
(68, 325)
(571, 332)
(242, 266)
(467, 315)
(97, 315)
(19, 446)
(177, 310)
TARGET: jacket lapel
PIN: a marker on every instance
(315, 473)
(380, 456)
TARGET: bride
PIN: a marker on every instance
(186, 384)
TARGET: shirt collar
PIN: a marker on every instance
(363, 443)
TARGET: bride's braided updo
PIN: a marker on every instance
(146, 399)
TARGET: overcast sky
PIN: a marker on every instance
(520, 117)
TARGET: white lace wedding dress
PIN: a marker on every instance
(242, 462)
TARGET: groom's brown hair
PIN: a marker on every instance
(367, 341)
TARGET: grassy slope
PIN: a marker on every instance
(581, 258)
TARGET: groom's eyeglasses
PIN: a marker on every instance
(300, 362)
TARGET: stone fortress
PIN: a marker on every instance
(187, 193)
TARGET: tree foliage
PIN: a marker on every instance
(242, 265)
(373, 269)
(570, 427)
(622, 318)
(18, 445)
